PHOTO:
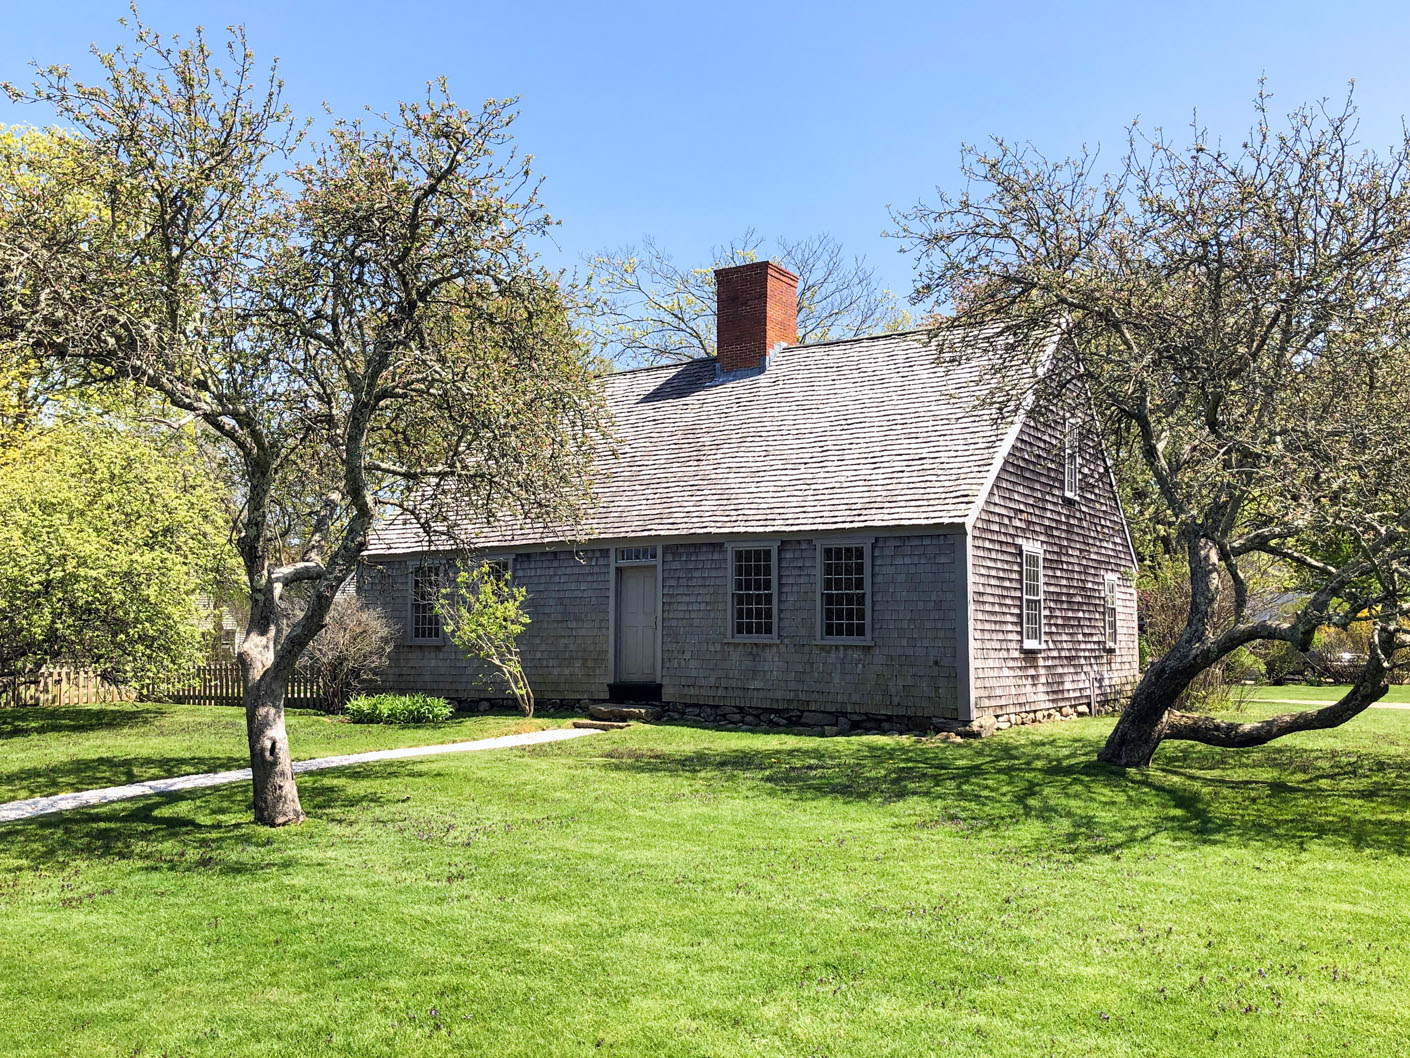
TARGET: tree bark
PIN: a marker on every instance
(1142, 725)
(276, 796)
(1151, 717)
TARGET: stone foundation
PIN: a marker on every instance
(1003, 721)
(818, 722)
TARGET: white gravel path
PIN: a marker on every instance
(38, 806)
(1319, 702)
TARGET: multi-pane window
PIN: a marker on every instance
(1109, 611)
(752, 592)
(843, 575)
(1071, 461)
(1032, 598)
(426, 586)
(498, 568)
(636, 554)
(425, 604)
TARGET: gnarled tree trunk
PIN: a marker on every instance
(276, 796)
(1151, 717)
(1143, 723)
(1138, 732)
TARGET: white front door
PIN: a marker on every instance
(636, 624)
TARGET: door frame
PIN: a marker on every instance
(641, 553)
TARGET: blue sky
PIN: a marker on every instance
(692, 122)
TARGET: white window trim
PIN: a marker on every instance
(412, 570)
(747, 545)
(1111, 612)
(1023, 597)
(866, 544)
(1071, 455)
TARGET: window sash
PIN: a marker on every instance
(425, 600)
(1032, 588)
(1071, 462)
(1109, 628)
(844, 596)
(752, 581)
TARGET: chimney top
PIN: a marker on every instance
(756, 311)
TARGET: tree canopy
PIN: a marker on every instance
(1238, 314)
(648, 308)
(107, 540)
(358, 318)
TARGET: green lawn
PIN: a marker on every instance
(674, 891)
(50, 751)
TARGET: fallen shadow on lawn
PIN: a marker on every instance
(47, 780)
(27, 720)
(206, 829)
(1031, 795)
(1282, 797)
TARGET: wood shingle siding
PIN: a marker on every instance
(909, 669)
(565, 648)
(869, 440)
(1082, 542)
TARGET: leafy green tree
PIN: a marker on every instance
(647, 308)
(484, 616)
(1239, 314)
(106, 539)
(362, 332)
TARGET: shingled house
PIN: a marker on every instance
(834, 533)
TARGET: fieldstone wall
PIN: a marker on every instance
(810, 721)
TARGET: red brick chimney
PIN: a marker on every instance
(756, 310)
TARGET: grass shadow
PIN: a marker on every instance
(27, 720)
(91, 773)
(210, 829)
(1045, 792)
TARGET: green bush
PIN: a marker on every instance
(398, 709)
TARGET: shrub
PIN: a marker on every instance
(398, 709)
(484, 618)
(1282, 660)
(351, 650)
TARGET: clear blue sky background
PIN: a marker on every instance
(693, 121)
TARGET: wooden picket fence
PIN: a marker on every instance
(218, 683)
(215, 683)
(58, 686)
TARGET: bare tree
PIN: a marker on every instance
(650, 309)
(1238, 315)
(361, 331)
(351, 650)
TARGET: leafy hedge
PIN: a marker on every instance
(398, 709)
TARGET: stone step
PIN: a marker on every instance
(644, 714)
(600, 725)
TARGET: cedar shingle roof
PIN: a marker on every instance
(863, 433)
